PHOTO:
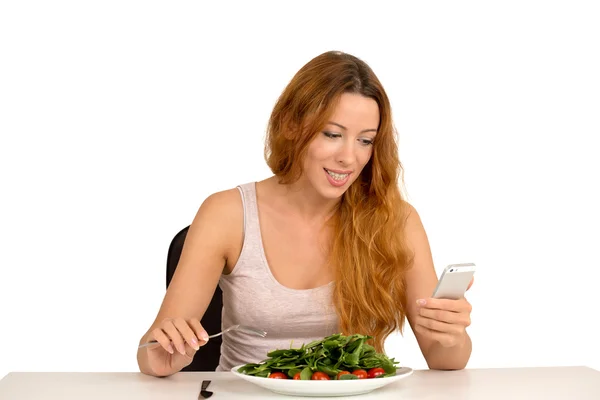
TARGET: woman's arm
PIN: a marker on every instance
(439, 325)
(217, 225)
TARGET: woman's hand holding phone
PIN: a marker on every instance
(445, 318)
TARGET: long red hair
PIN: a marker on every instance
(368, 251)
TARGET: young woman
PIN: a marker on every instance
(326, 245)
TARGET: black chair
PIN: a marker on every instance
(207, 358)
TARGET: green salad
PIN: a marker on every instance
(334, 357)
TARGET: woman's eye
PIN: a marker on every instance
(366, 142)
(332, 135)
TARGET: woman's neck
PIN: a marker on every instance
(301, 199)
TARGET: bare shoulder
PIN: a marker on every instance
(411, 218)
(414, 232)
(220, 218)
(222, 205)
(219, 212)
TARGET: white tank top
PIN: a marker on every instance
(252, 296)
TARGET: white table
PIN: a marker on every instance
(576, 383)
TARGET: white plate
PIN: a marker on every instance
(323, 388)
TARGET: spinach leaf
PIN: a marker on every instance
(306, 374)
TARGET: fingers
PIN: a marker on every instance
(440, 326)
(199, 331)
(171, 331)
(471, 283)
(163, 340)
(443, 320)
(188, 335)
(180, 333)
(449, 317)
(461, 305)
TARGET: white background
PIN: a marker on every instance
(118, 118)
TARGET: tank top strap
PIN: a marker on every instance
(251, 231)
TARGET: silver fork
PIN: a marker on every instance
(243, 328)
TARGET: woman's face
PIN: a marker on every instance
(338, 154)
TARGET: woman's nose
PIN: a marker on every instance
(345, 156)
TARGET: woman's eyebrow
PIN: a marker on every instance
(344, 128)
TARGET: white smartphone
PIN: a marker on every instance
(454, 281)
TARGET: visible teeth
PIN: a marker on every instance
(337, 177)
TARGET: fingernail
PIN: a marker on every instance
(195, 344)
(170, 349)
(421, 302)
(181, 349)
(204, 336)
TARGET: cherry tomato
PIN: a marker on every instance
(375, 372)
(342, 373)
(277, 375)
(361, 373)
(320, 376)
(297, 376)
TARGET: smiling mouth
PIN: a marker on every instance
(336, 176)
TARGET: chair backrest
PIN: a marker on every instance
(207, 358)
